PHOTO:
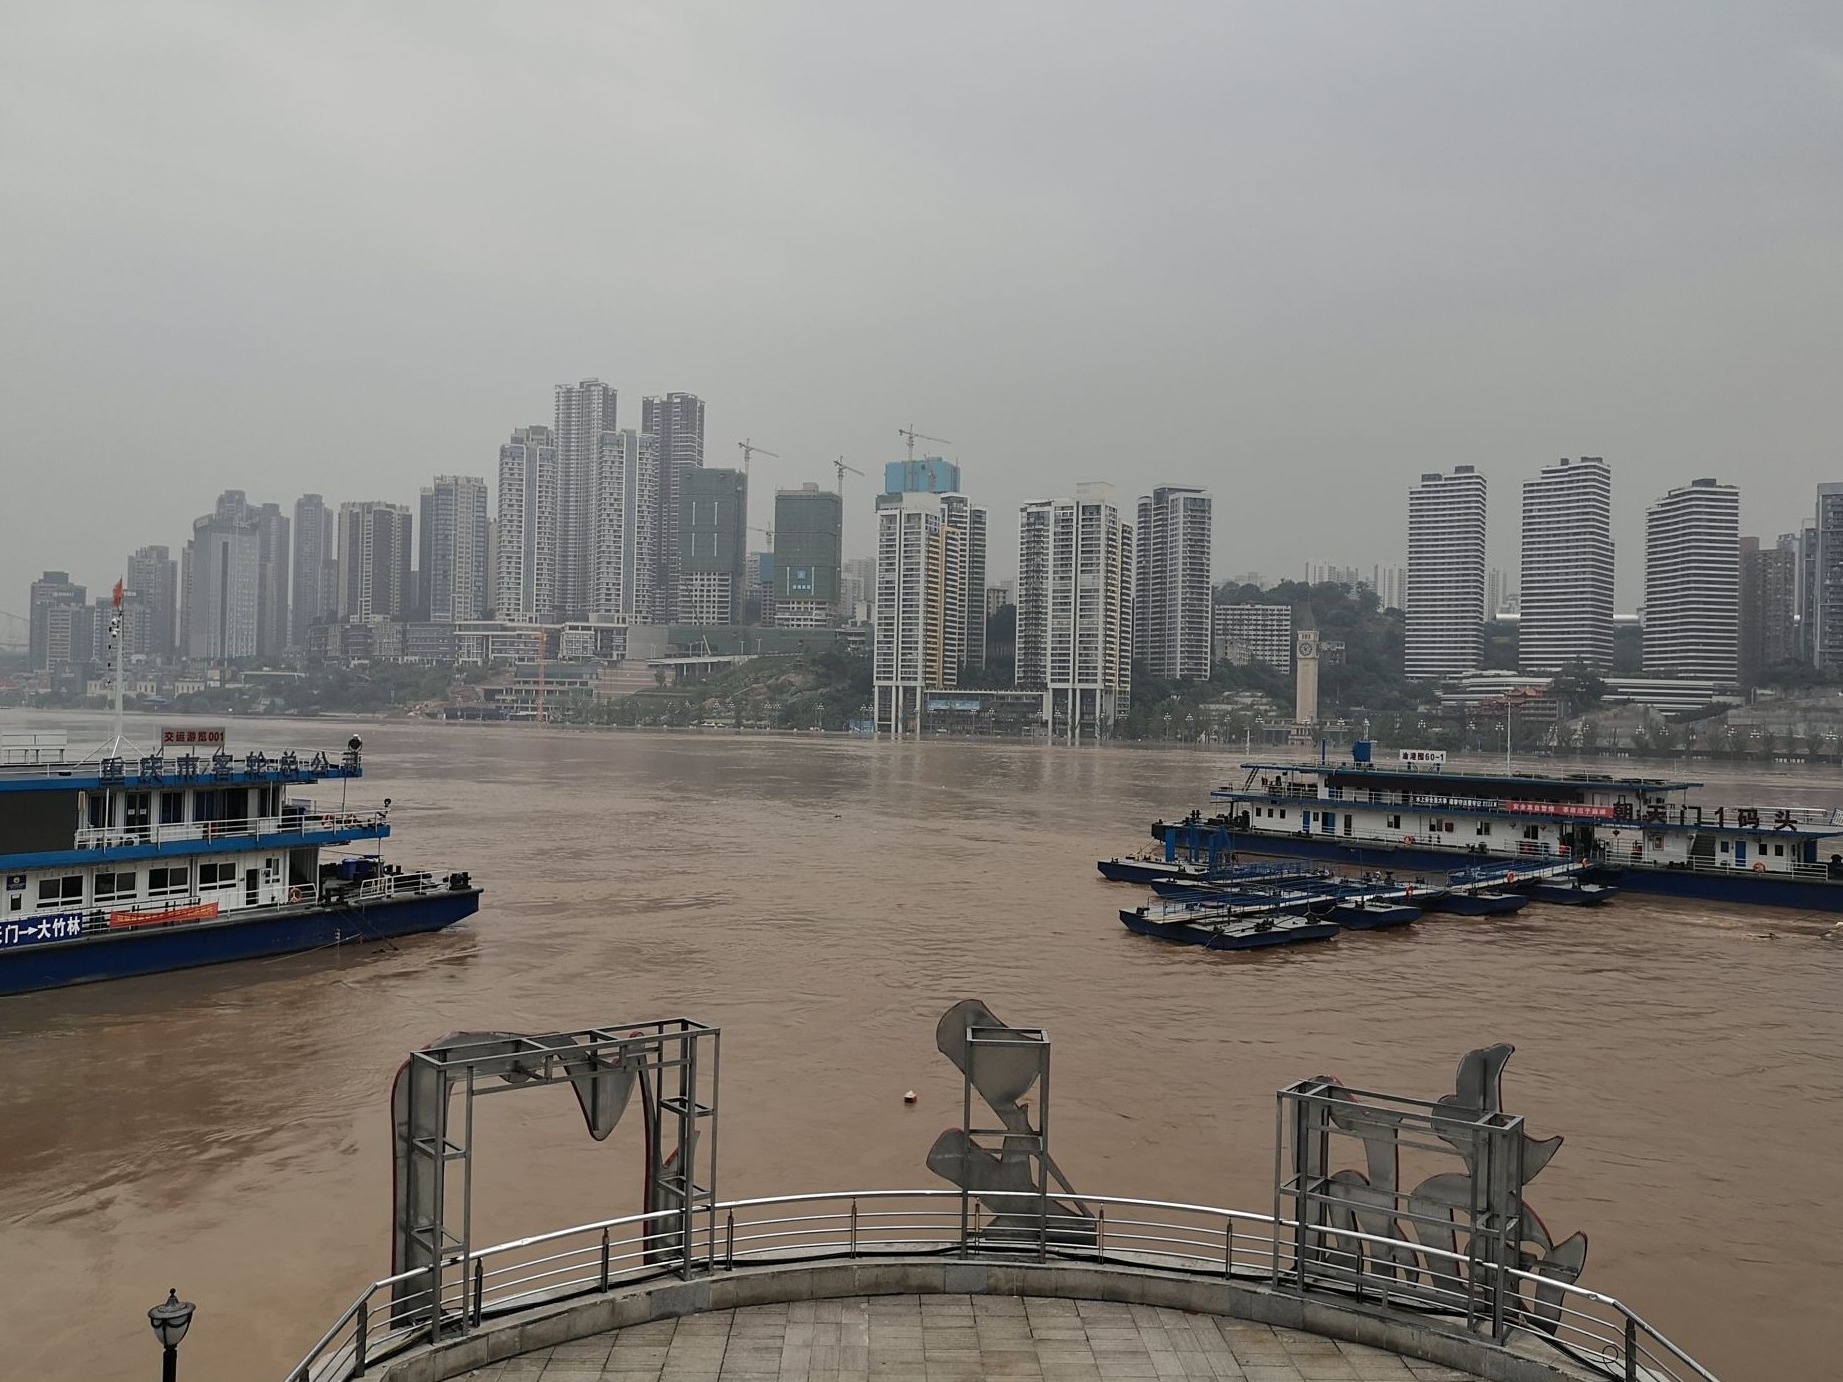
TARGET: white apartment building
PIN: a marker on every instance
(1171, 582)
(626, 485)
(529, 492)
(1567, 601)
(1074, 610)
(917, 552)
(1445, 606)
(451, 552)
(966, 624)
(1693, 583)
(585, 413)
(375, 572)
(1264, 632)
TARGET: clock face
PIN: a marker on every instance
(1308, 647)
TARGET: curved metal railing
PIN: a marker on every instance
(427, 1305)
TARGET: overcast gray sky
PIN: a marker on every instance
(1296, 252)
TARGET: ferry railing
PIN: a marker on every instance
(359, 819)
(1592, 1329)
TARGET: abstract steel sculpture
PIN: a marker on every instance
(603, 1065)
(1449, 1236)
(1012, 1178)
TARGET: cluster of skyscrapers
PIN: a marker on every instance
(1094, 593)
(1717, 607)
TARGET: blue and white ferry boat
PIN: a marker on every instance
(136, 863)
(1646, 834)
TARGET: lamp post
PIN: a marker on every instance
(170, 1320)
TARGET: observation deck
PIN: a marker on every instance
(1011, 1273)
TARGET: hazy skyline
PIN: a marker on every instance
(1298, 254)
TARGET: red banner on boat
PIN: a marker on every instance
(1560, 808)
(179, 736)
(201, 911)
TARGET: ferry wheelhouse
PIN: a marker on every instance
(114, 865)
(1646, 832)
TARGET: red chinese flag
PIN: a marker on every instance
(118, 594)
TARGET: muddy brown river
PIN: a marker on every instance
(225, 1131)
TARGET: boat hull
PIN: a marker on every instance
(284, 931)
(1573, 894)
(1374, 917)
(1739, 887)
(1146, 871)
(1235, 936)
(1481, 904)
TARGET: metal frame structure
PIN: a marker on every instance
(674, 1063)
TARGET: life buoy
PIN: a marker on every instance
(1407, 839)
(297, 894)
(1510, 877)
(1759, 868)
(1408, 891)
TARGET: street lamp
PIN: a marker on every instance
(170, 1320)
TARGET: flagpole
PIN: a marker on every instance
(116, 639)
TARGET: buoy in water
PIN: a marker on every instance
(908, 1096)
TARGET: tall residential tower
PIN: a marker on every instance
(1446, 575)
(1171, 582)
(1567, 602)
(1074, 609)
(1693, 583)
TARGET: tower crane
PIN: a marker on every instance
(840, 466)
(749, 448)
(910, 435)
(765, 532)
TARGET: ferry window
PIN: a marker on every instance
(97, 806)
(1282, 813)
(271, 870)
(137, 810)
(1724, 846)
(1484, 827)
(111, 887)
(1394, 823)
(1532, 832)
(217, 875)
(164, 882)
(1779, 851)
(61, 892)
(172, 808)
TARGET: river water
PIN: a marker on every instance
(823, 900)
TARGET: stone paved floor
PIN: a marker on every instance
(958, 1339)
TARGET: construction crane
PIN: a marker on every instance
(910, 435)
(749, 448)
(765, 532)
(840, 466)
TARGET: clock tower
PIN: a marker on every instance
(1305, 669)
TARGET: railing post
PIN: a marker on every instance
(1228, 1248)
(605, 1259)
(854, 1227)
(1631, 1349)
(1100, 1231)
(479, 1288)
(361, 1327)
(729, 1240)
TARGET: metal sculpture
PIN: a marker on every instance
(1451, 1237)
(1007, 1169)
(663, 1059)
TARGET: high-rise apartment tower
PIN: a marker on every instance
(1446, 575)
(1171, 582)
(1567, 603)
(1693, 583)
